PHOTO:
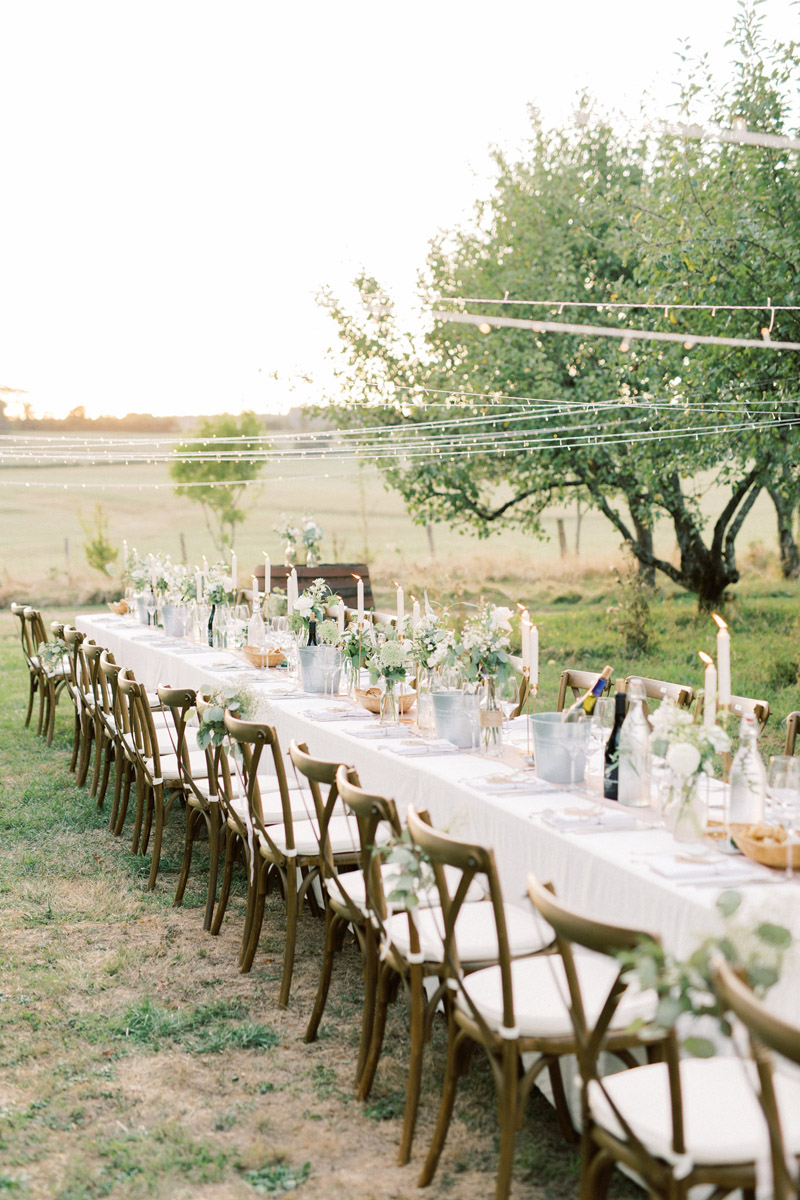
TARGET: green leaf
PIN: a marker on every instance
(699, 1047)
(774, 935)
(728, 902)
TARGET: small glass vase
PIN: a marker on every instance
(685, 811)
(491, 720)
(424, 688)
(312, 557)
(390, 706)
(289, 552)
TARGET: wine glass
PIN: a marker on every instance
(151, 608)
(329, 662)
(508, 695)
(783, 788)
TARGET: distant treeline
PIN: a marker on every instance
(77, 420)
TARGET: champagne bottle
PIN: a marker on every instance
(584, 705)
(611, 770)
(312, 631)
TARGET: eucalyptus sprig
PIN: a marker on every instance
(240, 702)
(51, 655)
(684, 986)
(414, 879)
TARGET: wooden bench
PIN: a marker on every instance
(338, 576)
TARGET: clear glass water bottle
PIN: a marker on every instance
(633, 786)
(748, 779)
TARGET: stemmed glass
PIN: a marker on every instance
(329, 661)
(151, 608)
(783, 787)
(508, 695)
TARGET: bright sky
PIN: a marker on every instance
(179, 178)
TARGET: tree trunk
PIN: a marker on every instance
(644, 537)
(578, 523)
(562, 537)
(790, 555)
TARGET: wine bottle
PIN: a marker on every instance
(748, 779)
(584, 705)
(312, 631)
(611, 770)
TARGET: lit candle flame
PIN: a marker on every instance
(354, 575)
(706, 658)
(413, 599)
(721, 624)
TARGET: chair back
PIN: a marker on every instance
(467, 860)
(576, 681)
(319, 774)
(73, 639)
(681, 694)
(180, 702)
(740, 706)
(254, 739)
(371, 813)
(141, 739)
(575, 928)
(792, 727)
(766, 1033)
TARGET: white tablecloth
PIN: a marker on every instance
(609, 873)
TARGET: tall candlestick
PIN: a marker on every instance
(401, 607)
(234, 570)
(710, 687)
(723, 663)
(415, 613)
(359, 598)
(124, 555)
(525, 637)
(154, 576)
(533, 644)
(291, 589)
(198, 586)
(340, 615)
(255, 594)
(267, 574)
(205, 567)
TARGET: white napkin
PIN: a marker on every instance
(418, 749)
(338, 713)
(501, 785)
(379, 732)
(605, 821)
(704, 870)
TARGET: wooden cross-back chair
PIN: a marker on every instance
(676, 1123)
(32, 663)
(778, 1093)
(792, 728)
(51, 677)
(514, 1003)
(288, 848)
(72, 640)
(740, 706)
(576, 682)
(681, 694)
(117, 728)
(338, 576)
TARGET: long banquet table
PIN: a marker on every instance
(609, 872)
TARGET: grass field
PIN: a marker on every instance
(42, 542)
(137, 1062)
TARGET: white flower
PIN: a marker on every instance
(683, 758)
(303, 605)
(500, 617)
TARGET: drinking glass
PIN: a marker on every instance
(329, 662)
(783, 789)
(508, 695)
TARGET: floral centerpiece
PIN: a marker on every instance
(387, 665)
(688, 751)
(431, 645)
(311, 605)
(312, 536)
(289, 534)
(218, 585)
(484, 655)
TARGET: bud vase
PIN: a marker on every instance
(491, 720)
(289, 552)
(685, 811)
(390, 708)
(312, 558)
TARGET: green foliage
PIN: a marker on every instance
(522, 419)
(277, 1177)
(217, 484)
(101, 554)
(630, 615)
(686, 986)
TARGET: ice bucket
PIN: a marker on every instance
(559, 747)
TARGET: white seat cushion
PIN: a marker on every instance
(342, 831)
(302, 808)
(354, 886)
(476, 933)
(539, 988)
(170, 771)
(723, 1122)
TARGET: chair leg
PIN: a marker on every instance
(213, 863)
(192, 817)
(291, 935)
(253, 927)
(158, 805)
(369, 952)
(51, 713)
(140, 801)
(127, 771)
(42, 703)
(31, 693)
(98, 755)
(227, 876)
(378, 1030)
(332, 923)
(417, 1040)
(76, 742)
(87, 732)
(560, 1100)
(108, 748)
(507, 1111)
(451, 1074)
